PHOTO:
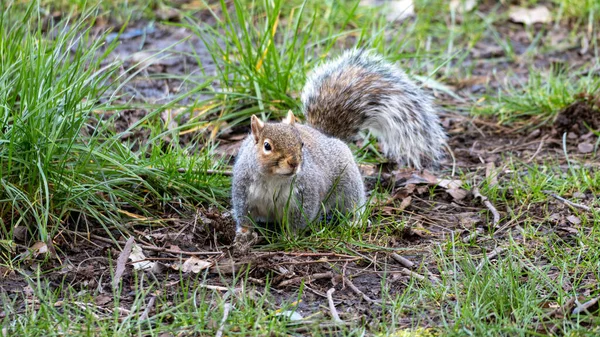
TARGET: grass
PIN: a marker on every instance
(60, 161)
(65, 165)
(538, 101)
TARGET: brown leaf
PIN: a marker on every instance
(121, 261)
(192, 264)
(405, 203)
(574, 220)
(585, 147)
(102, 299)
(39, 248)
(457, 193)
(447, 183)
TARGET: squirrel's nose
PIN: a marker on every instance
(292, 162)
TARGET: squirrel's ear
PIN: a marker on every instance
(290, 118)
(256, 125)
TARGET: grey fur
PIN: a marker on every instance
(328, 169)
(360, 90)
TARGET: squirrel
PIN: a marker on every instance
(297, 172)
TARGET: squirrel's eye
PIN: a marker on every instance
(302, 144)
(267, 146)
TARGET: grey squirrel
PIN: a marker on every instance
(297, 172)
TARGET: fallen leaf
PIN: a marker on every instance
(530, 16)
(573, 219)
(39, 248)
(121, 261)
(103, 299)
(405, 203)
(138, 258)
(367, 170)
(291, 315)
(585, 147)
(192, 264)
(491, 174)
(457, 193)
(447, 183)
(462, 6)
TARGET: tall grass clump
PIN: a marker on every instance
(263, 50)
(541, 98)
(60, 163)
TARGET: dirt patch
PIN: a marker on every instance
(579, 117)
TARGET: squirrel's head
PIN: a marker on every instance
(278, 146)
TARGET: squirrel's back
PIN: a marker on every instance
(360, 90)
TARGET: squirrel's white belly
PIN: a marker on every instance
(268, 199)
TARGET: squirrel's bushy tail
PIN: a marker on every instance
(360, 90)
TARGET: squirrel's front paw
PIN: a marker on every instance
(243, 241)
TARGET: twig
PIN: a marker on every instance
(585, 306)
(490, 256)
(402, 260)
(568, 202)
(308, 278)
(301, 254)
(358, 291)
(216, 172)
(537, 151)
(147, 247)
(288, 263)
(334, 313)
(412, 274)
(307, 326)
(211, 287)
(122, 261)
(226, 309)
(487, 204)
(146, 312)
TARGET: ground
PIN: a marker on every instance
(117, 156)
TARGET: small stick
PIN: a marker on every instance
(226, 309)
(490, 256)
(568, 202)
(147, 247)
(412, 274)
(536, 151)
(288, 263)
(334, 313)
(144, 314)
(215, 172)
(307, 254)
(308, 278)
(487, 204)
(585, 306)
(402, 260)
(357, 291)
(563, 309)
(211, 287)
